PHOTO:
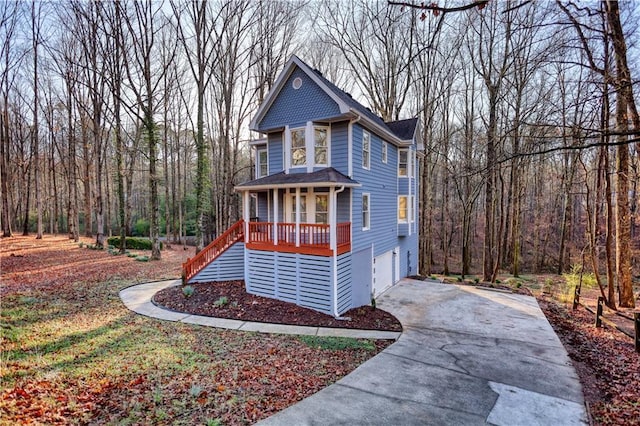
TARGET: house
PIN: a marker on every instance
(330, 220)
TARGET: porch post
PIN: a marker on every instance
(333, 219)
(246, 207)
(275, 216)
(297, 217)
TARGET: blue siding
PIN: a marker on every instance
(381, 182)
(302, 279)
(361, 276)
(228, 266)
(263, 207)
(344, 283)
(275, 153)
(294, 107)
(344, 201)
(340, 147)
(408, 255)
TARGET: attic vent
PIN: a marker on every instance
(297, 83)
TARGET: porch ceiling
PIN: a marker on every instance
(327, 177)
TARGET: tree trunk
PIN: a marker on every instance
(623, 216)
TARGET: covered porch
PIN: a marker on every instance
(304, 213)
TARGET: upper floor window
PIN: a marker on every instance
(366, 215)
(366, 150)
(298, 148)
(406, 209)
(262, 163)
(403, 163)
(384, 152)
(320, 145)
(403, 209)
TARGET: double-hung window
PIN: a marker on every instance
(366, 150)
(322, 208)
(303, 208)
(262, 166)
(403, 209)
(320, 145)
(366, 214)
(298, 148)
(403, 163)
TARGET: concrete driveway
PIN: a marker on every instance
(467, 356)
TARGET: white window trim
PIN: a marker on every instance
(368, 165)
(403, 221)
(412, 210)
(368, 195)
(408, 174)
(258, 151)
(310, 197)
(385, 152)
(313, 142)
(290, 147)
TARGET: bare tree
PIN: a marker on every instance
(8, 25)
(144, 71)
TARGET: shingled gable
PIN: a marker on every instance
(326, 177)
(348, 107)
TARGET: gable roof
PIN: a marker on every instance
(405, 129)
(325, 177)
(349, 107)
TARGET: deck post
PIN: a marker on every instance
(333, 222)
(297, 229)
(246, 207)
(275, 216)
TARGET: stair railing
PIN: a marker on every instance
(191, 267)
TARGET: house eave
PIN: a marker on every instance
(241, 188)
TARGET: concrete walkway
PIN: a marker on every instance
(138, 299)
(467, 356)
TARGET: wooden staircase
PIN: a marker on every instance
(232, 235)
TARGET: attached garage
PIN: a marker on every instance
(385, 271)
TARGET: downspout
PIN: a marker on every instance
(335, 259)
(350, 146)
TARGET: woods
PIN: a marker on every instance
(131, 118)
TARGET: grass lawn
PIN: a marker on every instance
(73, 353)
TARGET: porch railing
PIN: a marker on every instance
(194, 265)
(313, 239)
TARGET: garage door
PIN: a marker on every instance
(382, 272)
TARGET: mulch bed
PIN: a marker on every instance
(229, 299)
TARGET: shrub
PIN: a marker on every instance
(142, 258)
(135, 243)
(221, 301)
(188, 291)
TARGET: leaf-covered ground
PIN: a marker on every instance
(72, 353)
(606, 362)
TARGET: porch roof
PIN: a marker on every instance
(327, 177)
